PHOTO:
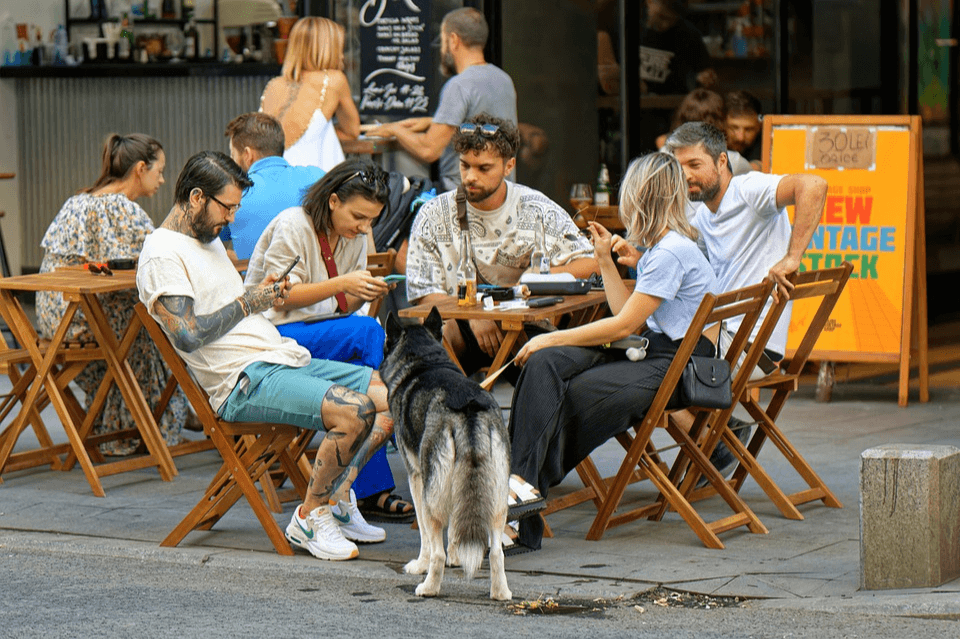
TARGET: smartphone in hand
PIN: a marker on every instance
(276, 286)
(394, 278)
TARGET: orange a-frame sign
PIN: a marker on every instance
(873, 218)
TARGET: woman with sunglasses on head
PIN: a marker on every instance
(311, 89)
(335, 220)
(104, 222)
(572, 396)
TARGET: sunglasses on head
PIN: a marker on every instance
(469, 128)
(370, 178)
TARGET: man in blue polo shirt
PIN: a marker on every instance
(256, 144)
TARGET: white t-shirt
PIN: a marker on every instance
(290, 234)
(502, 240)
(172, 263)
(745, 237)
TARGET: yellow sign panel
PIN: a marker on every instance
(864, 222)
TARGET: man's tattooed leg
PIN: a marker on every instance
(348, 417)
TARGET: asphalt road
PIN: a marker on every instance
(60, 587)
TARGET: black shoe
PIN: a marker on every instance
(722, 458)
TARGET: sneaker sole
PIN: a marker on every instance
(360, 540)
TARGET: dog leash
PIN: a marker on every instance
(487, 384)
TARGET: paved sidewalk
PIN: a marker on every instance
(811, 564)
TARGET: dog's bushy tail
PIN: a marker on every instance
(479, 486)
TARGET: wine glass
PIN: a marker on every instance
(176, 43)
(580, 198)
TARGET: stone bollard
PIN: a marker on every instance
(909, 516)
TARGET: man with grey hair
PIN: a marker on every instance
(475, 86)
(745, 231)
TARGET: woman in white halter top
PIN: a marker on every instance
(309, 92)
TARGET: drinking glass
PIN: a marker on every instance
(580, 198)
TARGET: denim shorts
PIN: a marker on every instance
(280, 394)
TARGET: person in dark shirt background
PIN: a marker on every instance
(673, 57)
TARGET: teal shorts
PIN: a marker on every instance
(282, 394)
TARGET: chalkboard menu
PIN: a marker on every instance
(395, 66)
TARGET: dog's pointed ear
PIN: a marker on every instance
(434, 324)
(394, 328)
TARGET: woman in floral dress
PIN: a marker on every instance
(99, 223)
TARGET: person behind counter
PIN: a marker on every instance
(99, 223)
(311, 89)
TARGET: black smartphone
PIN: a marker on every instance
(544, 301)
(276, 285)
(289, 268)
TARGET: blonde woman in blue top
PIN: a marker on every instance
(573, 396)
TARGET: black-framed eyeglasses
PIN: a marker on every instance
(488, 130)
(373, 179)
(231, 208)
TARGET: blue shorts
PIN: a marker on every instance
(287, 395)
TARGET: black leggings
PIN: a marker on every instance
(569, 400)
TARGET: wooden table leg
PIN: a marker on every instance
(27, 336)
(125, 380)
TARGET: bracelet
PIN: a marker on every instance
(243, 306)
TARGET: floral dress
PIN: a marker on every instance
(97, 228)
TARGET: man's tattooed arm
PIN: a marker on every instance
(188, 331)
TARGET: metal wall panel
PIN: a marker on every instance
(63, 123)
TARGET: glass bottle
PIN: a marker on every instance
(539, 262)
(601, 196)
(466, 273)
(191, 49)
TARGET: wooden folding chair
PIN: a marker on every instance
(827, 285)
(380, 265)
(248, 451)
(640, 460)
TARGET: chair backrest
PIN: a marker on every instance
(197, 397)
(380, 265)
(828, 284)
(745, 302)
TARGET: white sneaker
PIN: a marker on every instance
(352, 524)
(320, 535)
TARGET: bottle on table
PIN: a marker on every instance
(61, 46)
(601, 196)
(466, 273)
(539, 261)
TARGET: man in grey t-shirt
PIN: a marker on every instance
(475, 87)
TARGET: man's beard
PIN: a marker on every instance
(707, 192)
(448, 67)
(482, 195)
(202, 229)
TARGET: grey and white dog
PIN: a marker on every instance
(451, 436)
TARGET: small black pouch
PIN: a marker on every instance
(706, 382)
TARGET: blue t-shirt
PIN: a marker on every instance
(676, 271)
(277, 186)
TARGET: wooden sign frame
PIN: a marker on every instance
(913, 322)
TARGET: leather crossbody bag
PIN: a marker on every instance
(706, 382)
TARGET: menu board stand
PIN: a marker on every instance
(874, 217)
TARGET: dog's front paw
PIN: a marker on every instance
(424, 591)
(416, 567)
(500, 594)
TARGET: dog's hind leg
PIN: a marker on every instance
(433, 534)
(419, 565)
(499, 589)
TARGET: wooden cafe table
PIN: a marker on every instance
(80, 289)
(582, 309)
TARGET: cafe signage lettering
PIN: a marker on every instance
(395, 58)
